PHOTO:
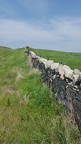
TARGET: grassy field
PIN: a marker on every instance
(29, 113)
(68, 58)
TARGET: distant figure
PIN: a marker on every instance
(27, 50)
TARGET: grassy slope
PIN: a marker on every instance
(71, 59)
(29, 113)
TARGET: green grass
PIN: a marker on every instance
(29, 113)
(68, 58)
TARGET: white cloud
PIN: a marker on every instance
(57, 33)
(69, 28)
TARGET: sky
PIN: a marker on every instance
(45, 24)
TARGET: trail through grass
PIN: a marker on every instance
(29, 113)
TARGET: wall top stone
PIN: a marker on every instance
(63, 70)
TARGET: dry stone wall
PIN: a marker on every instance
(64, 82)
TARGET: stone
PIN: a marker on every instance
(75, 78)
(32, 54)
(48, 63)
(68, 73)
(54, 66)
(60, 69)
(76, 71)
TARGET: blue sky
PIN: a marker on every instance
(47, 24)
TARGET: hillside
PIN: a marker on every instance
(29, 113)
(68, 58)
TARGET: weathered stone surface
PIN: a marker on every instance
(77, 108)
(68, 73)
(32, 54)
(75, 77)
(76, 71)
(54, 66)
(48, 63)
(60, 69)
(42, 60)
(66, 67)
